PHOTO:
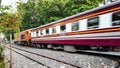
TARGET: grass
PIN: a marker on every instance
(2, 62)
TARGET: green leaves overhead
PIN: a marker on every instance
(9, 21)
(40, 12)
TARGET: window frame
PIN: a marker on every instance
(96, 22)
(54, 30)
(115, 22)
(74, 24)
(46, 31)
(63, 27)
(41, 32)
(22, 36)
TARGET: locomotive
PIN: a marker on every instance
(96, 29)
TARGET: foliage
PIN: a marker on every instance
(2, 62)
(26, 10)
(0, 2)
(1, 51)
(9, 21)
(39, 12)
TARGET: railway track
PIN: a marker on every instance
(74, 66)
(30, 58)
(109, 55)
(115, 56)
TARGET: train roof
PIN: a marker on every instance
(78, 14)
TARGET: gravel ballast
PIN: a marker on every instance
(20, 61)
(81, 60)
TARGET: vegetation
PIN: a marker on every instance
(9, 21)
(1, 51)
(2, 62)
(39, 12)
(0, 2)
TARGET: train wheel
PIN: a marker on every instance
(49, 46)
(55, 47)
(43, 46)
(95, 48)
(69, 48)
(117, 49)
(26, 44)
(105, 49)
(34, 45)
(38, 46)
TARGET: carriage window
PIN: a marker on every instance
(53, 30)
(75, 26)
(41, 32)
(116, 19)
(47, 31)
(37, 33)
(63, 27)
(23, 36)
(93, 23)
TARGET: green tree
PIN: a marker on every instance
(0, 2)
(27, 11)
(40, 12)
(9, 21)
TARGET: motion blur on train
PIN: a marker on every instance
(96, 29)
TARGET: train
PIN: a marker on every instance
(95, 29)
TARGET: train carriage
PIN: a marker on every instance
(99, 27)
(23, 38)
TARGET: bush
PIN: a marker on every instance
(1, 51)
(2, 62)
